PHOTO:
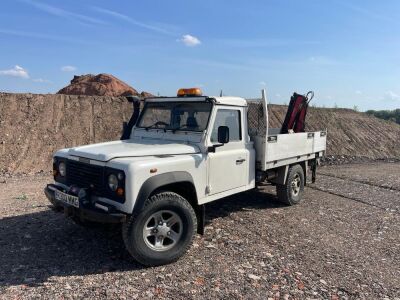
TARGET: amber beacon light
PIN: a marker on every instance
(192, 92)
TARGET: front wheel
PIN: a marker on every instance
(162, 231)
(292, 192)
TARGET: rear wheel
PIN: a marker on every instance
(162, 231)
(291, 192)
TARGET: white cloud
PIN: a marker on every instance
(278, 95)
(68, 68)
(358, 92)
(263, 83)
(128, 19)
(41, 80)
(43, 36)
(391, 96)
(17, 71)
(190, 40)
(56, 11)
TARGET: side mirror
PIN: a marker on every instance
(223, 138)
(223, 134)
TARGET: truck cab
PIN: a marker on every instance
(180, 153)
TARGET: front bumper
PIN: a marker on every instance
(95, 211)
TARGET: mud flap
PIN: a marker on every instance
(314, 171)
(201, 219)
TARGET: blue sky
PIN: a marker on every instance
(348, 52)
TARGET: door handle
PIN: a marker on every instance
(239, 161)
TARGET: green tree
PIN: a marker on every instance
(390, 115)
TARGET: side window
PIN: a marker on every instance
(230, 118)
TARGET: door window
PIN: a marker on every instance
(231, 119)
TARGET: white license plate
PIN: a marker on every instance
(69, 199)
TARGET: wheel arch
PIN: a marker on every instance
(179, 182)
(163, 181)
(283, 172)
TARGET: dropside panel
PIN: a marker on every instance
(289, 145)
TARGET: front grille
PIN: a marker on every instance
(86, 176)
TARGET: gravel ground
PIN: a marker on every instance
(341, 242)
(370, 173)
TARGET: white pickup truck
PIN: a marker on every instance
(181, 153)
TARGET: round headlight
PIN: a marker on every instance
(62, 169)
(113, 182)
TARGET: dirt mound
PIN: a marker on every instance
(99, 85)
(350, 133)
(32, 127)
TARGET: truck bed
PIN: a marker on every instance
(274, 149)
(282, 149)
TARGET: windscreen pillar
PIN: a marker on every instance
(135, 115)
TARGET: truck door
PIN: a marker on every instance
(228, 166)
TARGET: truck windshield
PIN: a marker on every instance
(186, 116)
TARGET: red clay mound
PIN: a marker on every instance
(98, 85)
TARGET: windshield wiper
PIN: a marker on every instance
(156, 124)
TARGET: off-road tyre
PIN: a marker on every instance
(286, 192)
(133, 229)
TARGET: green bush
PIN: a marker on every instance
(390, 115)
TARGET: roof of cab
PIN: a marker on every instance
(226, 100)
